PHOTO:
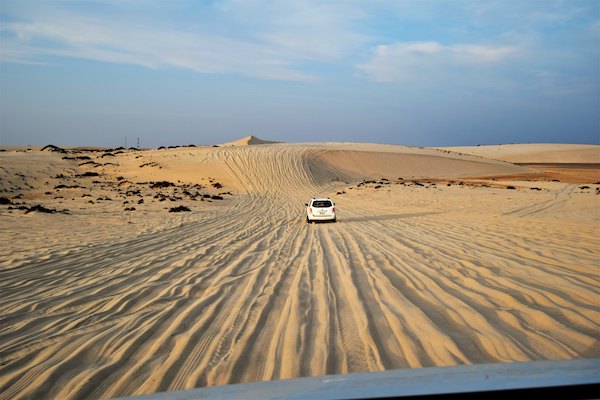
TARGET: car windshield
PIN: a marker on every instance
(156, 251)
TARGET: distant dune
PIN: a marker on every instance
(248, 141)
(126, 271)
(536, 153)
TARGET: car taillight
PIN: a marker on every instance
(333, 209)
(310, 210)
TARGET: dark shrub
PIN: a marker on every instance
(179, 209)
(162, 184)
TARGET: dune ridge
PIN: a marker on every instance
(415, 273)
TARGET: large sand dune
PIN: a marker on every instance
(429, 265)
(536, 153)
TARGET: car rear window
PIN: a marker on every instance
(321, 204)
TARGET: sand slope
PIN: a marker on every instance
(536, 153)
(415, 273)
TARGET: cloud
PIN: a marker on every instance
(431, 60)
(226, 40)
(152, 48)
(311, 30)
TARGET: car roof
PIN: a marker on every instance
(321, 199)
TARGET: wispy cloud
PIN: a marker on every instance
(295, 34)
(153, 48)
(307, 29)
(418, 61)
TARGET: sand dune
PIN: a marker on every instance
(428, 266)
(248, 141)
(536, 153)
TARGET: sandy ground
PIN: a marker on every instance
(438, 259)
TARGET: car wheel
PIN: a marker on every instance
(308, 221)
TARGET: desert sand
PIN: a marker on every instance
(535, 153)
(440, 257)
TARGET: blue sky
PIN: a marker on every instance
(422, 73)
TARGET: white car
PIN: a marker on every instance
(320, 210)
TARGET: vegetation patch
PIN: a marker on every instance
(161, 184)
(179, 209)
